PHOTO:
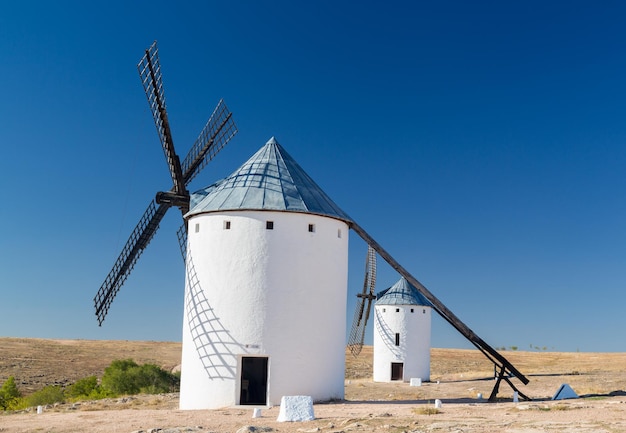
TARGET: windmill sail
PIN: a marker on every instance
(149, 68)
(217, 132)
(364, 304)
(137, 242)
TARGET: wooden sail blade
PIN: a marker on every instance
(137, 242)
(369, 284)
(217, 132)
(364, 305)
(357, 331)
(149, 69)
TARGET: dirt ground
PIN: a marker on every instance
(457, 379)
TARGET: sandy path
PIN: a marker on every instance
(581, 416)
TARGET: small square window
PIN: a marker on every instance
(424, 311)
(312, 228)
(412, 310)
(339, 233)
(384, 310)
(226, 225)
(397, 310)
(269, 225)
(197, 228)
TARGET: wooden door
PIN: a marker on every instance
(253, 380)
(397, 371)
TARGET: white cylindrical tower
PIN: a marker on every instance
(265, 297)
(402, 321)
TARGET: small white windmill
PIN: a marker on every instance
(402, 321)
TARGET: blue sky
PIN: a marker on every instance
(481, 143)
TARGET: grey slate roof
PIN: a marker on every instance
(401, 293)
(270, 180)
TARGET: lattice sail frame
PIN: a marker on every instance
(149, 69)
(218, 131)
(139, 239)
(364, 304)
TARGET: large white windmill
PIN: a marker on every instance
(265, 297)
(266, 258)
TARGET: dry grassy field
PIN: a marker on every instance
(37, 362)
(457, 378)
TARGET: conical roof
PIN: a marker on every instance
(401, 293)
(270, 180)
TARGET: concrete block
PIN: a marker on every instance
(416, 381)
(296, 408)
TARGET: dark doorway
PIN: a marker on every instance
(253, 380)
(397, 371)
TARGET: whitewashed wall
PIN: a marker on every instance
(279, 293)
(414, 348)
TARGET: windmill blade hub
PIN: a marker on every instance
(170, 198)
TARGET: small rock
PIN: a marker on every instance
(252, 429)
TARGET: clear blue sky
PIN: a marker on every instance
(481, 143)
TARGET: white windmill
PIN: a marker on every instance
(266, 252)
(402, 320)
(265, 298)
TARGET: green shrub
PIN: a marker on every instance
(122, 377)
(9, 394)
(126, 377)
(47, 395)
(82, 387)
(87, 389)
(155, 380)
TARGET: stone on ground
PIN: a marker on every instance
(296, 408)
